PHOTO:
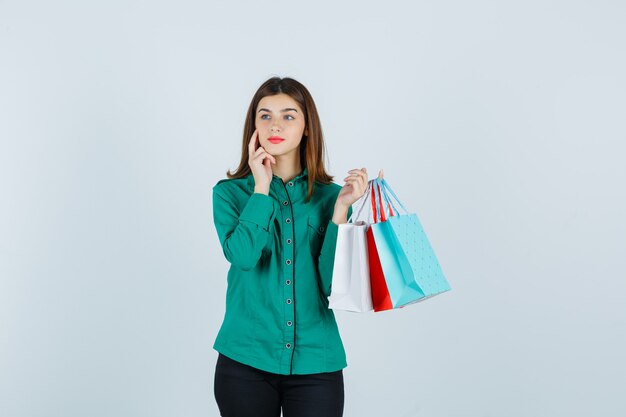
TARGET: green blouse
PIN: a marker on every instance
(281, 252)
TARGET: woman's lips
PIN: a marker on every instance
(275, 139)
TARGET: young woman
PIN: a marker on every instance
(277, 218)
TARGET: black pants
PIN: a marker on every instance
(244, 391)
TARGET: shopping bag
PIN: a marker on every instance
(381, 298)
(350, 288)
(411, 268)
(401, 288)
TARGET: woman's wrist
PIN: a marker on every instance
(340, 215)
(261, 190)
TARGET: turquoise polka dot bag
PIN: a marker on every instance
(410, 267)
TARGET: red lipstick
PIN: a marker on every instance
(275, 139)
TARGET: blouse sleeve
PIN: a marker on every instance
(327, 255)
(242, 235)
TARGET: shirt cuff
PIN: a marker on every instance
(330, 241)
(258, 210)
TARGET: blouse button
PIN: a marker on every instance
(288, 261)
(285, 202)
(288, 345)
(287, 220)
(289, 241)
(288, 282)
(321, 228)
(288, 300)
(290, 184)
(289, 323)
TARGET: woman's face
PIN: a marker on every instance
(279, 117)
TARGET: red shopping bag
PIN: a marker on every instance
(380, 294)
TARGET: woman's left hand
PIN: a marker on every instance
(355, 187)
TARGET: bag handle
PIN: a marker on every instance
(387, 190)
(365, 198)
(379, 212)
(378, 191)
(390, 203)
(383, 218)
(381, 198)
(374, 210)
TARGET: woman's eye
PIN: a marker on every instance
(287, 116)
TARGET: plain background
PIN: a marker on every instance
(501, 124)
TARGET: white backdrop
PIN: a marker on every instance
(501, 124)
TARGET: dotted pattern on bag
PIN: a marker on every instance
(412, 238)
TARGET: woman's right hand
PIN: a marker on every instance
(260, 164)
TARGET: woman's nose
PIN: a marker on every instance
(275, 126)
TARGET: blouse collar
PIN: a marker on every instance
(302, 176)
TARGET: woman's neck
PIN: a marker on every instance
(287, 169)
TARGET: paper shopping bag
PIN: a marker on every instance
(381, 299)
(420, 276)
(350, 288)
(398, 281)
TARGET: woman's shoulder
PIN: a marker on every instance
(230, 185)
(231, 182)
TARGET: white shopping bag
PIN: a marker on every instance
(351, 288)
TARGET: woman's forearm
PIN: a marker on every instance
(340, 215)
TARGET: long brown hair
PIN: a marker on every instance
(312, 148)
